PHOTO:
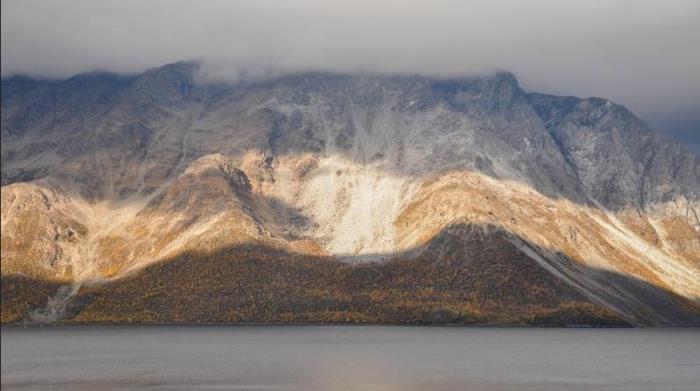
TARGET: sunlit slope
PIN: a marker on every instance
(212, 211)
(110, 181)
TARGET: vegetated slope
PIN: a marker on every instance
(499, 284)
(106, 175)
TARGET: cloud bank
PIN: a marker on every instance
(644, 54)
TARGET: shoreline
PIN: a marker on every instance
(388, 325)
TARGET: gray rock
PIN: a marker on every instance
(113, 136)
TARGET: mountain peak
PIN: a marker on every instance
(507, 78)
(170, 83)
(181, 68)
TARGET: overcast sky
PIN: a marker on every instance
(643, 54)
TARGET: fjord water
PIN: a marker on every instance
(349, 358)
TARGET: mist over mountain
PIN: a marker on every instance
(643, 56)
(340, 197)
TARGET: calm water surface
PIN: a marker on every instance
(349, 358)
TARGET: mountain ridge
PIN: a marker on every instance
(106, 176)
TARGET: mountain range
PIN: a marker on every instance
(163, 197)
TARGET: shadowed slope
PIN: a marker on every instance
(466, 275)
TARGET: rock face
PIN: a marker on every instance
(108, 179)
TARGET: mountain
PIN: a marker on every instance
(318, 197)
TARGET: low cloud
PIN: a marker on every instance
(644, 54)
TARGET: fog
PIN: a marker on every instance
(643, 54)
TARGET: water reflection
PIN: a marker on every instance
(349, 358)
